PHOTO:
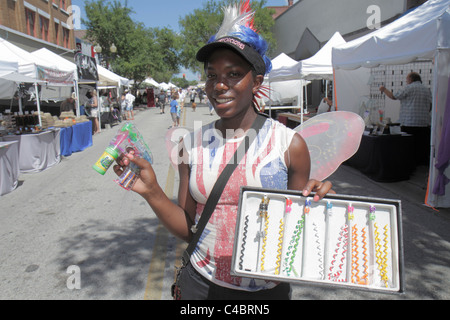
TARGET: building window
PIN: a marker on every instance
(62, 4)
(66, 36)
(43, 25)
(30, 21)
(57, 33)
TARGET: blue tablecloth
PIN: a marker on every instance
(76, 138)
(66, 141)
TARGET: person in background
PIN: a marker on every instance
(324, 106)
(415, 114)
(162, 98)
(95, 111)
(130, 104)
(123, 106)
(174, 105)
(68, 105)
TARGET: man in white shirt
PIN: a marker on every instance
(129, 106)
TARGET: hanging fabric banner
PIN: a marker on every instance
(55, 77)
(86, 67)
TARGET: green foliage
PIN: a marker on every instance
(159, 53)
(141, 51)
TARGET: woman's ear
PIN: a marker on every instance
(259, 79)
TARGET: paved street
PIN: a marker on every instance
(71, 218)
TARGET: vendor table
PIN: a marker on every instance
(76, 138)
(292, 120)
(9, 166)
(37, 152)
(385, 158)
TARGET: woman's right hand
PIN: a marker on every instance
(146, 182)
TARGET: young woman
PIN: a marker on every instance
(277, 159)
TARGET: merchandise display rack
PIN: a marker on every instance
(341, 240)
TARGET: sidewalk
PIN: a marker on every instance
(426, 238)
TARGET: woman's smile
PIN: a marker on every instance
(223, 100)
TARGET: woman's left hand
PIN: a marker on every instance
(321, 188)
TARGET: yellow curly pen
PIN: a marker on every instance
(263, 253)
(384, 273)
(280, 247)
(379, 259)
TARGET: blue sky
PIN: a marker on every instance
(165, 13)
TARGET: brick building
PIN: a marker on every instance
(36, 24)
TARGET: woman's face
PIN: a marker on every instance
(230, 84)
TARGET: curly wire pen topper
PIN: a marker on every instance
(329, 208)
(351, 212)
(307, 206)
(264, 206)
(384, 260)
(288, 205)
(280, 247)
(372, 216)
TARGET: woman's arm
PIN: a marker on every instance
(94, 102)
(299, 166)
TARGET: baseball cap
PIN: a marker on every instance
(242, 48)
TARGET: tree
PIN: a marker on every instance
(198, 27)
(141, 51)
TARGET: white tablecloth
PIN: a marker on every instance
(37, 152)
(9, 166)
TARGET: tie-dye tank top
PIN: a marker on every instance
(263, 166)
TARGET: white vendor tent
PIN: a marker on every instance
(109, 78)
(35, 67)
(7, 88)
(319, 66)
(285, 83)
(423, 34)
(57, 79)
(9, 83)
(151, 82)
(284, 68)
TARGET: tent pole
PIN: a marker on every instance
(38, 104)
(20, 101)
(99, 113)
(77, 100)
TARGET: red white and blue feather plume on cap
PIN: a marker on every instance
(238, 22)
(237, 32)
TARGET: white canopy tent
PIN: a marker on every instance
(108, 78)
(423, 34)
(36, 67)
(7, 88)
(151, 82)
(319, 66)
(40, 70)
(285, 82)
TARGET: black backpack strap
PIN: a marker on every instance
(220, 184)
